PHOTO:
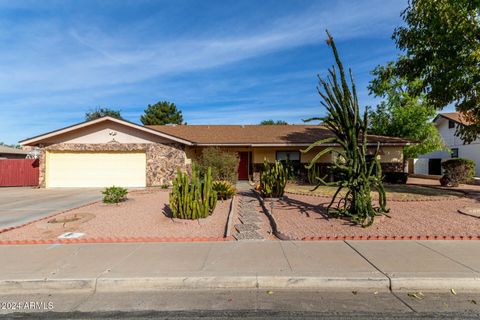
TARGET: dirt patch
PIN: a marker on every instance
(299, 216)
(144, 214)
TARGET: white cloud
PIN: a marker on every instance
(51, 68)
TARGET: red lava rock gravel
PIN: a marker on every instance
(301, 216)
(142, 215)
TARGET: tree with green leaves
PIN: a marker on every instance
(16, 146)
(357, 176)
(102, 112)
(403, 114)
(162, 113)
(441, 45)
(271, 122)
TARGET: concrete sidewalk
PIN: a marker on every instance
(332, 265)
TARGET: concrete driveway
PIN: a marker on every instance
(21, 205)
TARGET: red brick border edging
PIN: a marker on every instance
(115, 240)
(343, 238)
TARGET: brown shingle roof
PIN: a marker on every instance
(259, 135)
(10, 150)
(454, 116)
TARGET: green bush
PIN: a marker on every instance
(114, 194)
(224, 189)
(224, 165)
(192, 198)
(456, 171)
(273, 180)
(395, 177)
(164, 186)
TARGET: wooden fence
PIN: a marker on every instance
(18, 172)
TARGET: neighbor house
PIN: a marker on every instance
(7, 152)
(447, 124)
(109, 151)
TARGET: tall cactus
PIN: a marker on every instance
(312, 173)
(194, 198)
(357, 175)
(273, 179)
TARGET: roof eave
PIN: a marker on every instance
(399, 144)
(37, 139)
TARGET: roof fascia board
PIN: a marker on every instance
(293, 144)
(88, 123)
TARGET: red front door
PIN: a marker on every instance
(243, 166)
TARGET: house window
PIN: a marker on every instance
(291, 160)
(451, 124)
(454, 152)
(288, 156)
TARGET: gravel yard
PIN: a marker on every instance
(300, 216)
(144, 214)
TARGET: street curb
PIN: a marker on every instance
(139, 284)
(465, 284)
(47, 286)
(191, 283)
(241, 282)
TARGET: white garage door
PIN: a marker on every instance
(95, 169)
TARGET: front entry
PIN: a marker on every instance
(243, 166)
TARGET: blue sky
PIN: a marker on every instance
(224, 61)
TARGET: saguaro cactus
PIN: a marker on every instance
(192, 198)
(358, 176)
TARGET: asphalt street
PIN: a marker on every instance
(246, 304)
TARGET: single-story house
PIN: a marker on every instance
(109, 151)
(447, 124)
(7, 152)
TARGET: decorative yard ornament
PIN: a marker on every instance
(356, 175)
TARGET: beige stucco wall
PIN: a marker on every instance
(106, 132)
(387, 154)
(259, 154)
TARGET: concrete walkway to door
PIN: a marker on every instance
(21, 205)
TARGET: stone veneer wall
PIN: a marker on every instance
(162, 159)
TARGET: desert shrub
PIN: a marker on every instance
(192, 198)
(273, 180)
(224, 189)
(223, 164)
(293, 169)
(164, 186)
(395, 177)
(114, 194)
(456, 171)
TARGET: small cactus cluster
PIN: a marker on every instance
(225, 190)
(273, 180)
(192, 198)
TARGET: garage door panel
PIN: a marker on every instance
(96, 169)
